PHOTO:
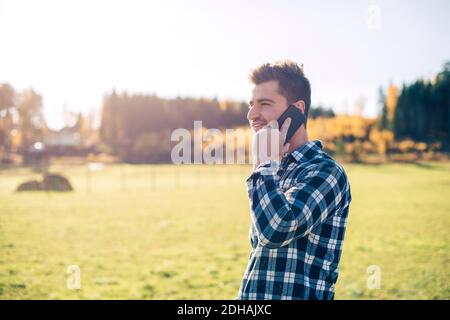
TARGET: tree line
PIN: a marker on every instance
(137, 127)
(420, 111)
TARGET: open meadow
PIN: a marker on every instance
(181, 232)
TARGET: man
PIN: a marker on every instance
(299, 197)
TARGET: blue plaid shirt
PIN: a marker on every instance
(299, 212)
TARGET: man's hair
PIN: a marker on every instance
(292, 83)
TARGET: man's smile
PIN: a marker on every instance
(257, 125)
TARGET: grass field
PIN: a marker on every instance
(166, 232)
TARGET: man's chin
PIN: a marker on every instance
(256, 129)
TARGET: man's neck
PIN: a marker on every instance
(298, 139)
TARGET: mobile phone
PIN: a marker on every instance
(297, 119)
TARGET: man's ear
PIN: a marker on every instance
(301, 105)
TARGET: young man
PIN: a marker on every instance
(299, 205)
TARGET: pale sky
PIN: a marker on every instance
(72, 52)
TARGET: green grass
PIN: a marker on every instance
(166, 232)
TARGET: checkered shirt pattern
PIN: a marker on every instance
(299, 211)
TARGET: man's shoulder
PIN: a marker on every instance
(329, 165)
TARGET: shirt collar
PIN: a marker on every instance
(306, 151)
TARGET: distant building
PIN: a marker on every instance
(64, 138)
(64, 142)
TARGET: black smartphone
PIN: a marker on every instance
(297, 119)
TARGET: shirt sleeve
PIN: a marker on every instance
(281, 217)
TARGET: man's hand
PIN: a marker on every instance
(268, 142)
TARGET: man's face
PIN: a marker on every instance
(266, 104)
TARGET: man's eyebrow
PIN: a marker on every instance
(261, 101)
